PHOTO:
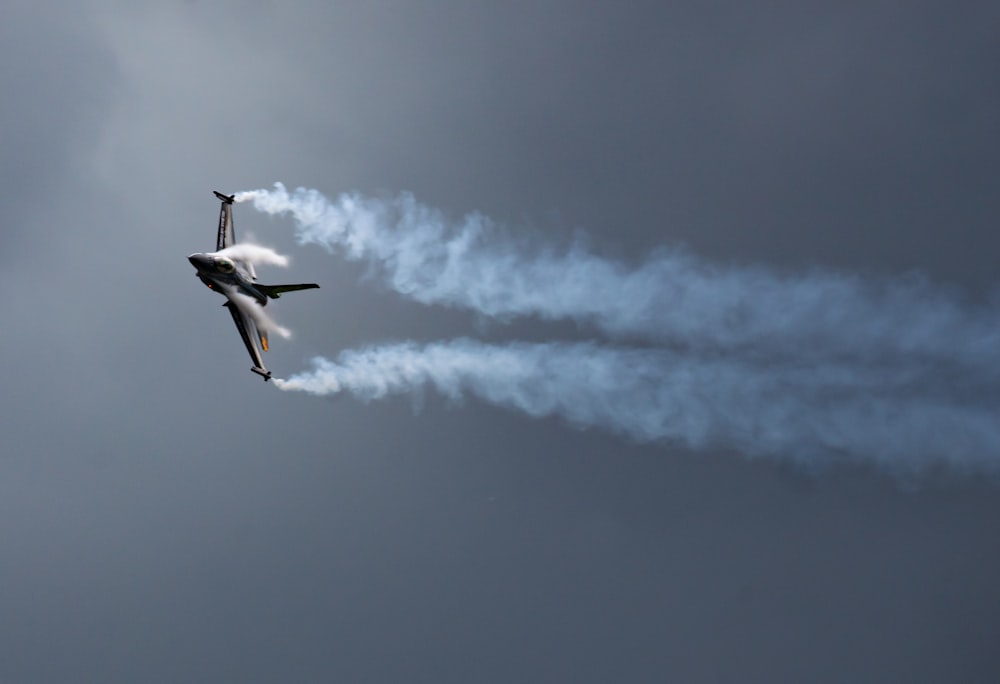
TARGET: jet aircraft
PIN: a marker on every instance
(234, 277)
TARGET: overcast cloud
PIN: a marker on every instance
(165, 516)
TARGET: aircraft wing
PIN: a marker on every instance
(227, 237)
(250, 334)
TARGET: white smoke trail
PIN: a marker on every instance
(671, 297)
(254, 254)
(813, 368)
(810, 414)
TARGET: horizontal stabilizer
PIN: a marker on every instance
(274, 291)
(262, 372)
(228, 199)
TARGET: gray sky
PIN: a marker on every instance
(166, 517)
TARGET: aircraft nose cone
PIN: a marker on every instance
(198, 260)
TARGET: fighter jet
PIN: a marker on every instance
(234, 277)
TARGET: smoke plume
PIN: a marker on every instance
(811, 367)
(254, 254)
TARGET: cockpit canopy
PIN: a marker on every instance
(224, 265)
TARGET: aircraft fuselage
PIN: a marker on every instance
(223, 275)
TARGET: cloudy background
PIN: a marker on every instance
(165, 516)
